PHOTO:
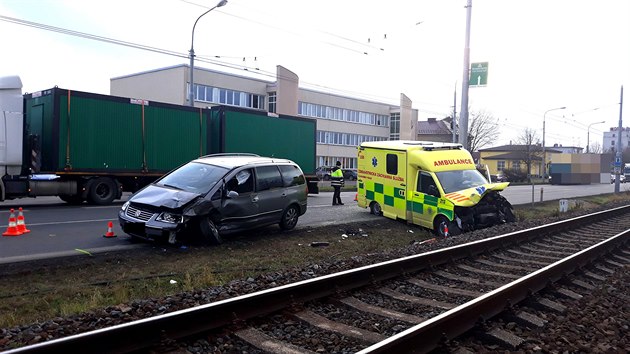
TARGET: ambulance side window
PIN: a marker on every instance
(426, 185)
(391, 165)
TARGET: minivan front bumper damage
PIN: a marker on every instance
(149, 225)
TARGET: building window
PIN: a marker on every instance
(394, 126)
(344, 139)
(500, 165)
(348, 115)
(209, 94)
(272, 102)
(329, 161)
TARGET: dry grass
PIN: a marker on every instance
(45, 289)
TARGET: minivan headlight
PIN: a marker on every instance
(124, 206)
(170, 218)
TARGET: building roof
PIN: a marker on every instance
(516, 148)
(514, 155)
(434, 126)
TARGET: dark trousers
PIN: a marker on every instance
(337, 195)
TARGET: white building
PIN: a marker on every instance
(611, 136)
(342, 122)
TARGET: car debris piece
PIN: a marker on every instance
(319, 244)
(415, 243)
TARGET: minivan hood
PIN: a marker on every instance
(164, 197)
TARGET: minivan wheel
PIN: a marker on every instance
(289, 218)
(210, 232)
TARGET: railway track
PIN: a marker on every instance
(413, 304)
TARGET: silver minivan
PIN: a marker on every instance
(215, 195)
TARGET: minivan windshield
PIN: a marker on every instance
(193, 177)
(453, 181)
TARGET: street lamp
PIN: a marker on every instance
(588, 132)
(191, 95)
(543, 142)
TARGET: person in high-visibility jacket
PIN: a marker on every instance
(336, 181)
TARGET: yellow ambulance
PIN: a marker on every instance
(431, 184)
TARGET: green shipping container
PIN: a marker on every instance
(79, 132)
(249, 131)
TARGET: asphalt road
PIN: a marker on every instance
(59, 229)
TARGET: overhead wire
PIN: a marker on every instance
(214, 59)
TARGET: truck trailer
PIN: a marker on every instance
(90, 147)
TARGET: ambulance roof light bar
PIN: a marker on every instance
(430, 145)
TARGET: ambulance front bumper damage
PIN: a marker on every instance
(492, 209)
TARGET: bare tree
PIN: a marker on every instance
(532, 151)
(483, 130)
(595, 148)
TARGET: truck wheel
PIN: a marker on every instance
(210, 232)
(72, 199)
(441, 224)
(289, 218)
(375, 208)
(102, 191)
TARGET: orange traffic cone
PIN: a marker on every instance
(21, 225)
(12, 230)
(109, 232)
(356, 196)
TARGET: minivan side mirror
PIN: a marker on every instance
(232, 194)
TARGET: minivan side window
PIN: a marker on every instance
(268, 177)
(291, 175)
(242, 182)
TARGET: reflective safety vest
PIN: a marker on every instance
(336, 178)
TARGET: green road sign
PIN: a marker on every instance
(478, 74)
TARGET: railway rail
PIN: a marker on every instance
(412, 304)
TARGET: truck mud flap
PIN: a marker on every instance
(313, 184)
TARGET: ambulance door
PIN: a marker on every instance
(424, 200)
(392, 186)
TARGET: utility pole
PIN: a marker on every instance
(453, 123)
(463, 116)
(618, 155)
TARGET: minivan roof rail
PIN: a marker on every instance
(231, 154)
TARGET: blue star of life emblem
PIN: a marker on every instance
(374, 162)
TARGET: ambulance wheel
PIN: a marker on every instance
(441, 224)
(375, 208)
(509, 215)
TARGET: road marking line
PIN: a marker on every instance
(64, 222)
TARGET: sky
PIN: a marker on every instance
(542, 54)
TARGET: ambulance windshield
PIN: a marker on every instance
(453, 181)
